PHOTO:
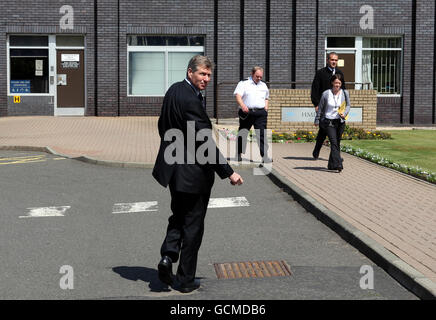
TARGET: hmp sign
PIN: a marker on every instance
(305, 114)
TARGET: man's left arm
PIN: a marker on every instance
(266, 98)
(343, 82)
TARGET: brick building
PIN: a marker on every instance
(117, 58)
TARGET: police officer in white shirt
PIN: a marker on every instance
(252, 97)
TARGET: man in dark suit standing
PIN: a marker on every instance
(190, 179)
(321, 83)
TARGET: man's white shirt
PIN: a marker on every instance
(253, 95)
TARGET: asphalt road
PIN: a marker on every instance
(72, 230)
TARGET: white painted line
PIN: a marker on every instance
(134, 207)
(46, 212)
(228, 202)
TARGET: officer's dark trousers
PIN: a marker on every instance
(185, 232)
(258, 119)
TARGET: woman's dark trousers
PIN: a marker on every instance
(335, 129)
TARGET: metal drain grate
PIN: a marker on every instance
(252, 269)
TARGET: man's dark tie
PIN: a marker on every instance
(203, 101)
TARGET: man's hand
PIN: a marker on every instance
(236, 179)
(245, 108)
(241, 103)
(316, 110)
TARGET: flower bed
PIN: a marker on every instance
(414, 171)
(309, 136)
(349, 134)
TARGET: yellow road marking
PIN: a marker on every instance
(23, 159)
(26, 159)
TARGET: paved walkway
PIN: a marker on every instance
(395, 210)
(117, 139)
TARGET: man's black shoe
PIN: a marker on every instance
(239, 158)
(187, 287)
(315, 156)
(165, 268)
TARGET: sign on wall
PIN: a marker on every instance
(20, 86)
(70, 60)
(39, 67)
(70, 57)
(70, 65)
(305, 114)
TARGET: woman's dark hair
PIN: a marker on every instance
(337, 76)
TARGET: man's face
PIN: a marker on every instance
(257, 76)
(332, 61)
(200, 78)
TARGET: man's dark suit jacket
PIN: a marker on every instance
(181, 104)
(321, 83)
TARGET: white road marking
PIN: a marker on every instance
(228, 202)
(46, 212)
(134, 207)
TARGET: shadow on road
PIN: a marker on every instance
(303, 158)
(144, 274)
(315, 169)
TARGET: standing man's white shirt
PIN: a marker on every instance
(253, 95)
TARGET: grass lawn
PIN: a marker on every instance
(409, 147)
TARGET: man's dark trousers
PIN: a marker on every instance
(187, 223)
(258, 118)
(322, 134)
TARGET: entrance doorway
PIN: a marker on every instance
(70, 82)
(347, 63)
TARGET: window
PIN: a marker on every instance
(378, 61)
(28, 64)
(340, 42)
(381, 64)
(69, 41)
(156, 62)
(28, 41)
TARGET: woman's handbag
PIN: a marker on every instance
(324, 123)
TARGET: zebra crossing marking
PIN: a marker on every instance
(134, 207)
(38, 212)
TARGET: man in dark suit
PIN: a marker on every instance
(321, 83)
(190, 179)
